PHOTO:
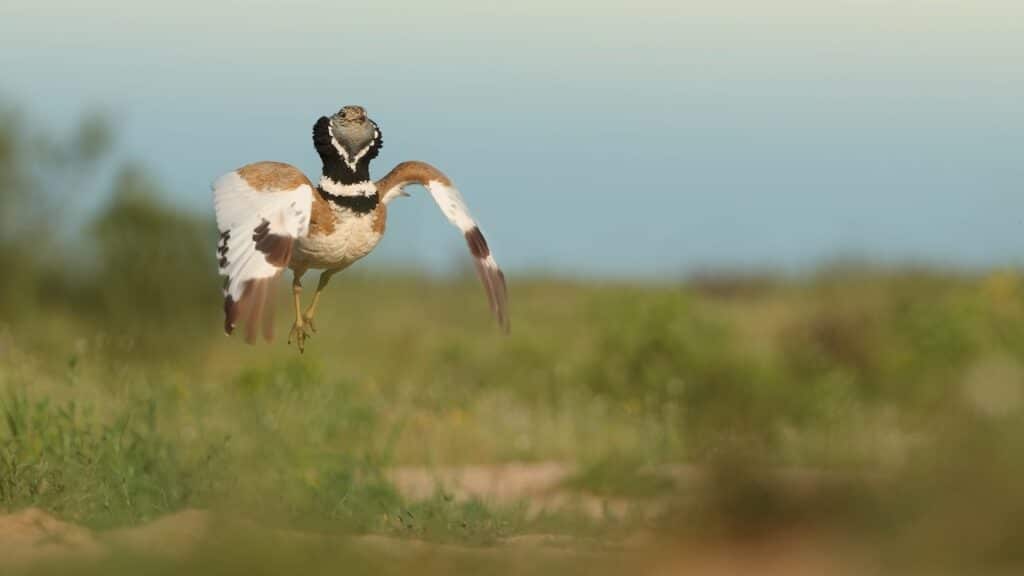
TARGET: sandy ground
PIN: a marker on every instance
(29, 536)
(539, 484)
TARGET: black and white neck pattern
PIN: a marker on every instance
(359, 197)
(340, 163)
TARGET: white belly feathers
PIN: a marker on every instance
(354, 236)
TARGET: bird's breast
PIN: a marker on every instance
(340, 238)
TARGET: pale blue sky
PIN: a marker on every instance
(649, 137)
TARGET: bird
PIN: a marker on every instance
(271, 217)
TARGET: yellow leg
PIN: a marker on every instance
(298, 333)
(325, 277)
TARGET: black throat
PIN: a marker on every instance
(337, 170)
(334, 165)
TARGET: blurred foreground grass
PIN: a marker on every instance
(897, 395)
(880, 405)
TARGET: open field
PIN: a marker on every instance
(879, 408)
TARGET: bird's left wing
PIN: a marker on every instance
(261, 209)
(454, 208)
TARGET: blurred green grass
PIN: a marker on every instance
(121, 400)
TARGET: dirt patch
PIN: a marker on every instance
(786, 553)
(503, 483)
(31, 535)
(175, 535)
(540, 485)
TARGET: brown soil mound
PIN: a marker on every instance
(32, 534)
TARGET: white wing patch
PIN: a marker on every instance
(451, 203)
(454, 208)
(257, 230)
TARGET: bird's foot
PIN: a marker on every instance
(300, 331)
(307, 319)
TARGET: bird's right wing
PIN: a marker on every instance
(453, 206)
(261, 209)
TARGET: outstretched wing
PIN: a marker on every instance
(261, 209)
(454, 207)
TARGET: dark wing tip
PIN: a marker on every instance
(477, 243)
(254, 307)
(230, 314)
(503, 319)
(491, 276)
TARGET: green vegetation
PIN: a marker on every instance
(898, 392)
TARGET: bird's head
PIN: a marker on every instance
(346, 142)
(353, 130)
(350, 115)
